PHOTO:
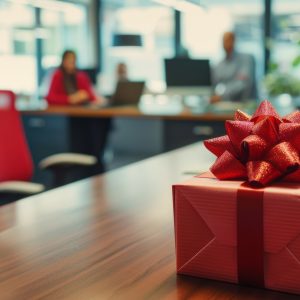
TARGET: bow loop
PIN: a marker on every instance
(219, 145)
(290, 132)
(261, 173)
(235, 169)
(253, 147)
(267, 129)
(241, 116)
(265, 109)
(293, 117)
(284, 157)
(237, 131)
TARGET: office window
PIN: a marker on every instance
(66, 27)
(153, 23)
(17, 47)
(63, 24)
(202, 29)
(285, 45)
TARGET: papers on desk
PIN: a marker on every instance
(227, 106)
(160, 105)
(166, 105)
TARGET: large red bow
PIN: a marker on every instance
(261, 148)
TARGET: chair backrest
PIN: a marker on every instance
(15, 157)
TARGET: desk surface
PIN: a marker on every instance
(109, 237)
(125, 111)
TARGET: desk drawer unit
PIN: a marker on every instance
(181, 133)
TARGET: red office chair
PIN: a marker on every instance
(16, 166)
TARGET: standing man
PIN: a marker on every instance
(234, 77)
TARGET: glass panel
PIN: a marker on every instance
(66, 25)
(286, 35)
(154, 24)
(17, 48)
(65, 28)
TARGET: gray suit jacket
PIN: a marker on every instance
(237, 77)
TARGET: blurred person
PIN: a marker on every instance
(234, 77)
(69, 86)
(121, 72)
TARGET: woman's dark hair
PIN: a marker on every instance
(69, 80)
(65, 54)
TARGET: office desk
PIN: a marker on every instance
(125, 112)
(164, 131)
(108, 237)
(134, 134)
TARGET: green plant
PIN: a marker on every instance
(296, 60)
(277, 83)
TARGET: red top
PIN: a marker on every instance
(57, 93)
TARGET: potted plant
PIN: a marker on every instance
(278, 83)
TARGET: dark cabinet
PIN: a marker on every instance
(181, 133)
(46, 135)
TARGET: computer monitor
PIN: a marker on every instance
(186, 72)
(92, 74)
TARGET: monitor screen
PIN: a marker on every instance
(92, 74)
(185, 72)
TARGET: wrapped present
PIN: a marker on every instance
(241, 222)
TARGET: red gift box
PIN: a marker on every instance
(205, 213)
(233, 230)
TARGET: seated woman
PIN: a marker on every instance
(69, 86)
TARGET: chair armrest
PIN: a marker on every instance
(71, 159)
(21, 187)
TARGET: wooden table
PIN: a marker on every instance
(134, 133)
(109, 237)
(125, 111)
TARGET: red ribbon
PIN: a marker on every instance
(261, 148)
(250, 236)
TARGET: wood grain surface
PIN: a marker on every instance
(109, 237)
(124, 111)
